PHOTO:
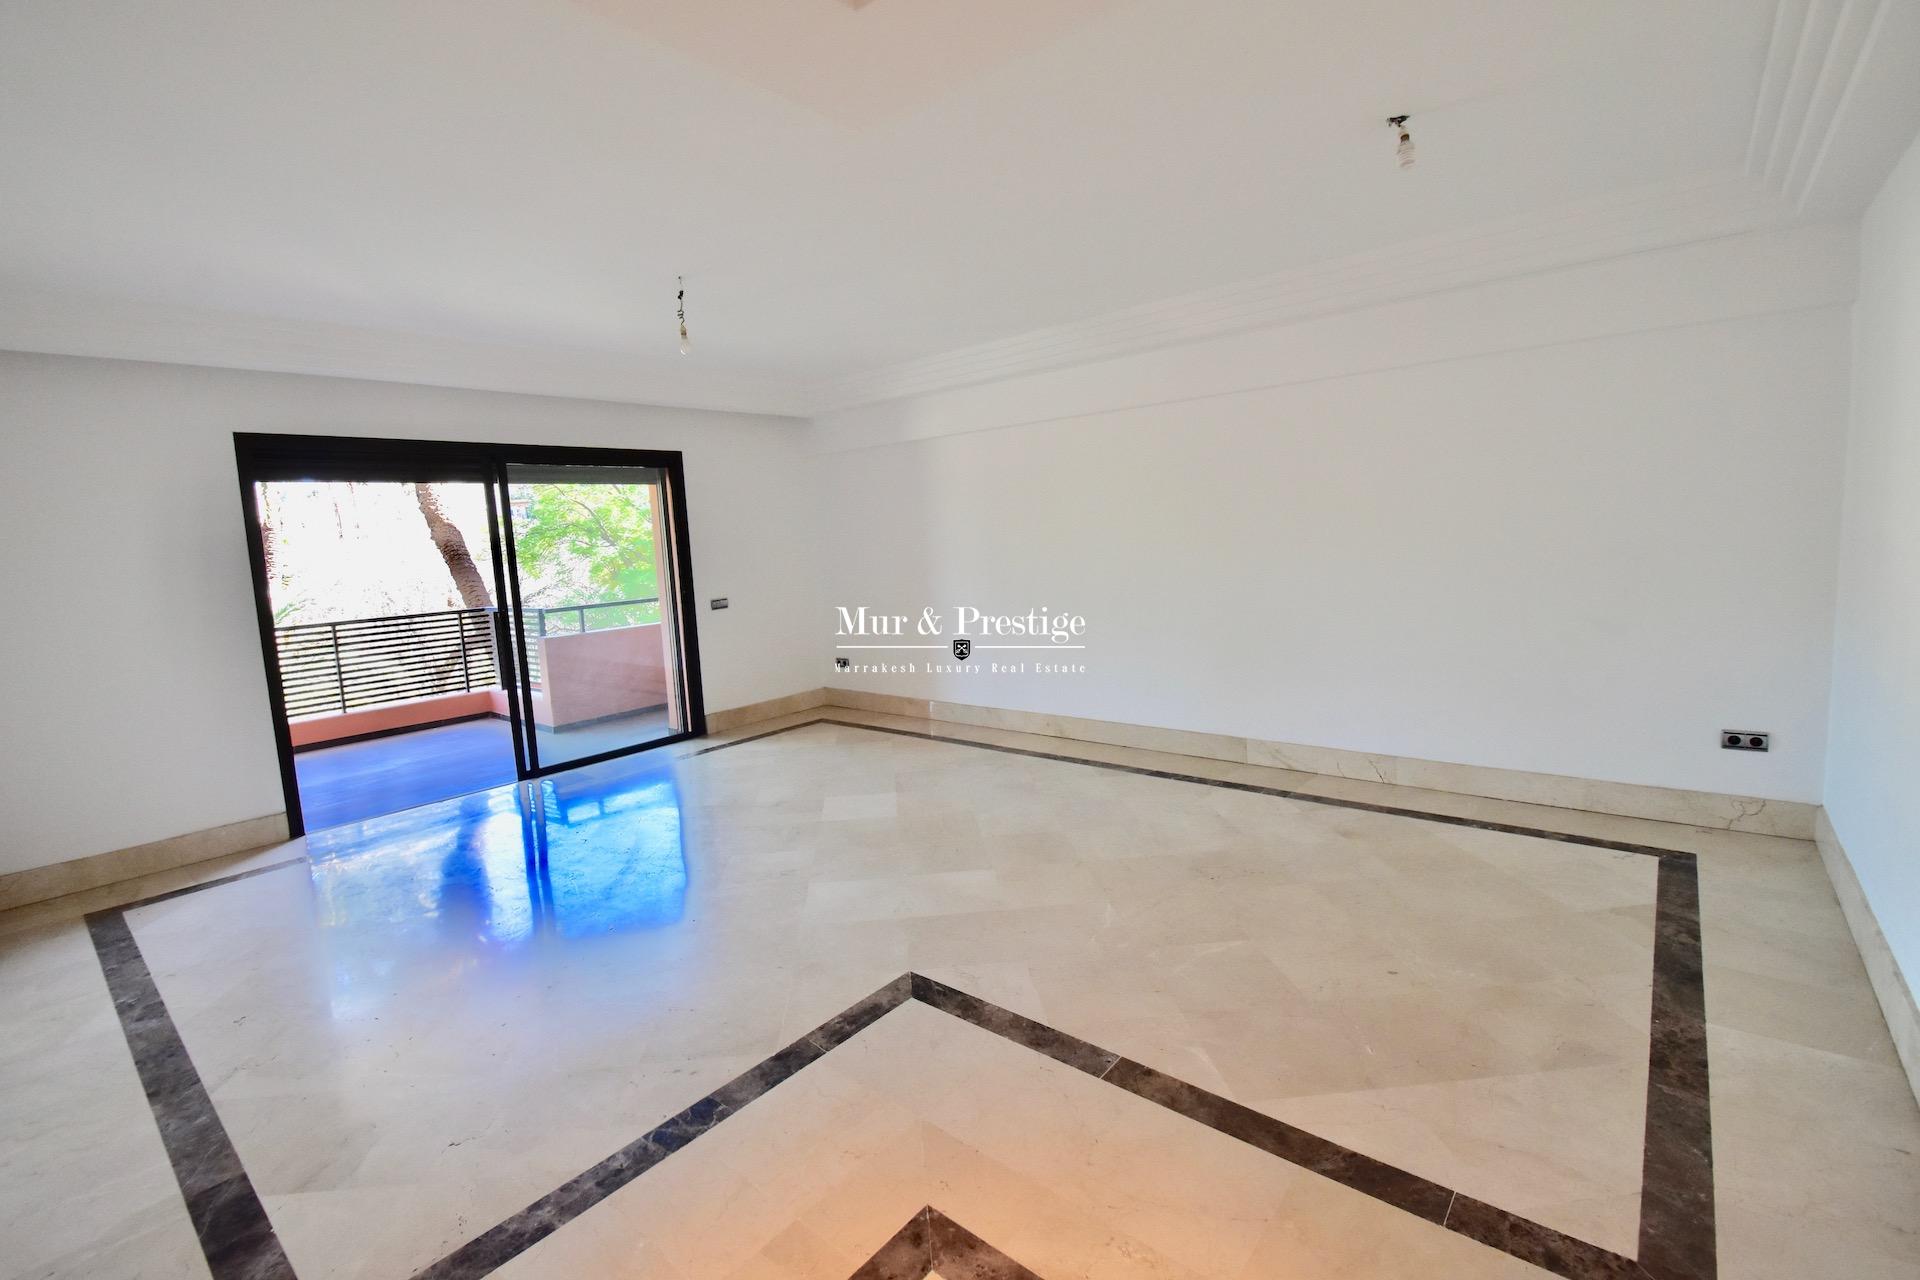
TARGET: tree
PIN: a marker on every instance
(265, 495)
(584, 543)
(452, 545)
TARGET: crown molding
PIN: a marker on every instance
(1776, 271)
(1650, 218)
(39, 321)
(1820, 55)
(1833, 110)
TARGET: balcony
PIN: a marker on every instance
(388, 712)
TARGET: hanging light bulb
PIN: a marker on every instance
(686, 342)
(1403, 152)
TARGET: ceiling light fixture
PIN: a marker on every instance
(686, 343)
(1403, 152)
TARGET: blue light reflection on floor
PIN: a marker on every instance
(587, 852)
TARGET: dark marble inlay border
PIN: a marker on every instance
(1225, 784)
(1676, 1185)
(931, 1241)
(1677, 1222)
(907, 1254)
(1529, 1241)
(1363, 1173)
(1008, 1025)
(231, 1223)
(562, 1205)
(1677, 1233)
(184, 890)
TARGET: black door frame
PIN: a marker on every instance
(262, 456)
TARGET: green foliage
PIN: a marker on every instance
(583, 543)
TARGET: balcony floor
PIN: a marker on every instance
(359, 780)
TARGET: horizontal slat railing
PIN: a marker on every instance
(369, 662)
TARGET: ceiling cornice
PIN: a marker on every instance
(34, 320)
(1819, 56)
(1833, 108)
(1651, 218)
(1832, 111)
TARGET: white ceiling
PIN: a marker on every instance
(871, 198)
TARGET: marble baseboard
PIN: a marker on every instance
(1883, 970)
(885, 704)
(1697, 808)
(733, 717)
(37, 884)
(1179, 742)
(1788, 818)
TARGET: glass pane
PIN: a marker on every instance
(384, 642)
(594, 567)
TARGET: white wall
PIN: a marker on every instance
(136, 700)
(1873, 763)
(1576, 523)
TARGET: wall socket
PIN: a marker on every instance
(719, 602)
(1743, 740)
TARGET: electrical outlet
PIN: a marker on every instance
(718, 602)
(1744, 740)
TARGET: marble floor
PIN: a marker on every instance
(846, 994)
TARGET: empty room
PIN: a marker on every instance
(960, 640)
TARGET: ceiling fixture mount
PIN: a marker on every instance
(1403, 152)
(686, 342)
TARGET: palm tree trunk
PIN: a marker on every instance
(452, 546)
(269, 542)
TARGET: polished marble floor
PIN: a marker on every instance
(772, 1006)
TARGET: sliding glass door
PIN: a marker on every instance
(595, 613)
(453, 587)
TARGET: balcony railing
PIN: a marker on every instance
(366, 662)
(370, 662)
(573, 619)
